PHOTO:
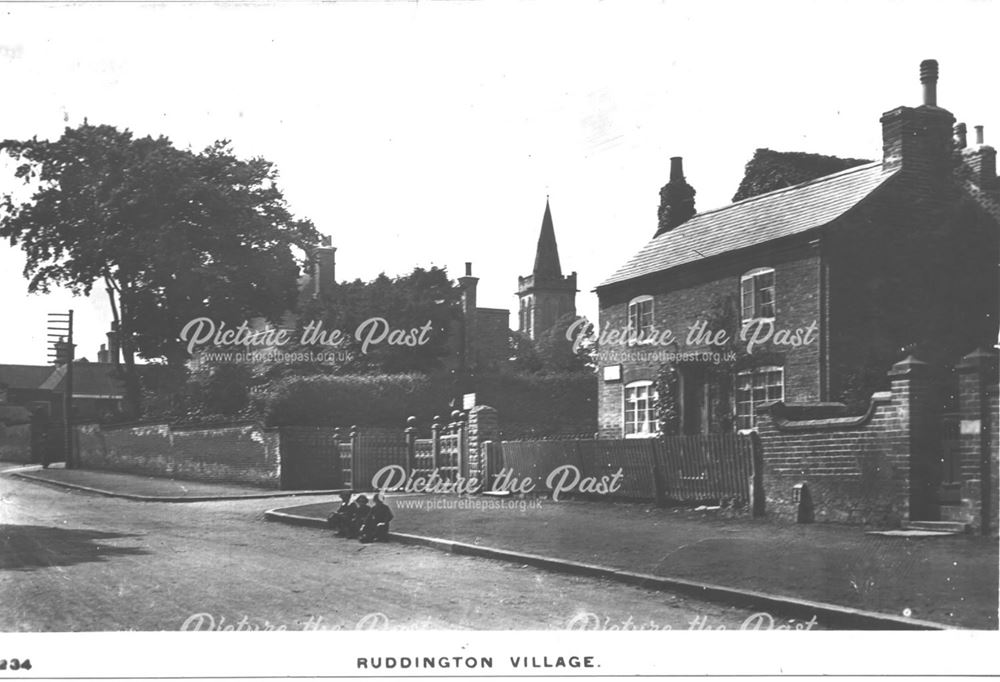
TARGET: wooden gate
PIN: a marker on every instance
(713, 467)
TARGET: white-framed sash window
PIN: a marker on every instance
(757, 294)
(640, 419)
(640, 318)
(755, 387)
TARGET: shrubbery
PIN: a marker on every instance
(528, 404)
(541, 404)
(363, 400)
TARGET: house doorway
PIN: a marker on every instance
(694, 406)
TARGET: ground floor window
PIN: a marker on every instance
(755, 387)
(640, 410)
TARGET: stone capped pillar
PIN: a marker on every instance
(914, 427)
(483, 426)
(978, 446)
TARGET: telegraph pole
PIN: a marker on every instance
(62, 350)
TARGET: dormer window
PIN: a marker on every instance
(640, 318)
(757, 294)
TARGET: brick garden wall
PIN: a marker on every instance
(881, 468)
(855, 469)
(15, 443)
(245, 453)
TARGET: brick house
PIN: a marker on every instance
(847, 271)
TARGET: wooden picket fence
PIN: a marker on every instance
(713, 468)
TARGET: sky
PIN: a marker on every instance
(420, 133)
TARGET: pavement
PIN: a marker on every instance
(857, 579)
(147, 488)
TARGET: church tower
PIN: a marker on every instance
(545, 295)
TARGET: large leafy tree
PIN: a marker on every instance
(406, 303)
(170, 234)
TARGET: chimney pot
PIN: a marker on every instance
(676, 169)
(468, 269)
(961, 138)
(979, 135)
(929, 78)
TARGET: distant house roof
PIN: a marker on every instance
(90, 379)
(25, 376)
(753, 221)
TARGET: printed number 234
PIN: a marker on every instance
(15, 664)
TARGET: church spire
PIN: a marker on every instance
(547, 253)
(545, 295)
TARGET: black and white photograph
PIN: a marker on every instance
(499, 338)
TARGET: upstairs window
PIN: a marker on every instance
(640, 318)
(640, 410)
(757, 294)
(754, 388)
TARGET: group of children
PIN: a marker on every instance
(358, 519)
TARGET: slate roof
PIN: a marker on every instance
(756, 220)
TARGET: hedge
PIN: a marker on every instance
(363, 400)
(527, 404)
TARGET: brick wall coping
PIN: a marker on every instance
(782, 420)
(179, 427)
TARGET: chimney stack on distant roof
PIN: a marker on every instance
(929, 78)
(676, 169)
(676, 199)
(324, 278)
(981, 159)
(961, 136)
(114, 350)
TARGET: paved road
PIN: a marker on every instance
(71, 561)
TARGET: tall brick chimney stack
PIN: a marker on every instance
(324, 267)
(676, 199)
(468, 285)
(114, 353)
(981, 160)
(919, 141)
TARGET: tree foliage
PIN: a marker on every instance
(406, 303)
(169, 233)
(769, 170)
